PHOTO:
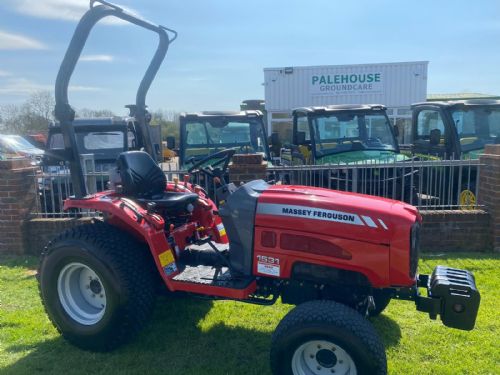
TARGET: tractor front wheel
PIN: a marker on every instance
(96, 284)
(325, 337)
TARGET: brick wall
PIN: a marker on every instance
(465, 230)
(489, 189)
(17, 200)
(245, 168)
(38, 232)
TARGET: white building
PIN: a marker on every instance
(395, 85)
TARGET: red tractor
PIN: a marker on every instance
(339, 257)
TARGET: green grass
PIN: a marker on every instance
(190, 336)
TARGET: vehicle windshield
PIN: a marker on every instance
(477, 126)
(18, 143)
(203, 138)
(345, 132)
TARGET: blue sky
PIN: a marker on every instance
(223, 46)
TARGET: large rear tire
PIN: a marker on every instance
(96, 283)
(325, 337)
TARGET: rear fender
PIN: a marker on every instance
(132, 218)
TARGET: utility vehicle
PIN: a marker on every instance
(349, 135)
(454, 130)
(339, 256)
(205, 133)
(102, 138)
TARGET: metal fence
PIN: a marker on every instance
(437, 184)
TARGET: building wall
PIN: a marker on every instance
(397, 87)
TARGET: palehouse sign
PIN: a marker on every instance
(346, 83)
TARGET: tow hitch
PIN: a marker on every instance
(452, 294)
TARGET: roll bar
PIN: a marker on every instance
(65, 114)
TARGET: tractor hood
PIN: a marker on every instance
(345, 215)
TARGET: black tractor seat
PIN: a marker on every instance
(172, 201)
(144, 181)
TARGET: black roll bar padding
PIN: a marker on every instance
(65, 114)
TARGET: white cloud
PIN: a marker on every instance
(4, 73)
(23, 86)
(16, 41)
(97, 58)
(68, 10)
(84, 88)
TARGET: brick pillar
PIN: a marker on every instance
(489, 189)
(244, 168)
(17, 199)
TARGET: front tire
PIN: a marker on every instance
(324, 337)
(96, 284)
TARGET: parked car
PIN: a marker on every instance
(15, 145)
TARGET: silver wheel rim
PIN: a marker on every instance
(322, 357)
(81, 293)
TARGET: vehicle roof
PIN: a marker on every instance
(341, 108)
(98, 121)
(216, 114)
(459, 103)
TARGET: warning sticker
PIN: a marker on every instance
(268, 269)
(166, 257)
(170, 269)
(221, 229)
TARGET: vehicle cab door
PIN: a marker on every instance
(431, 132)
(300, 151)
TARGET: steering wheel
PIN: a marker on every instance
(374, 141)
(213, 169)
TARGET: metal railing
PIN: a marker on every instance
(429, 185)
(433, 184)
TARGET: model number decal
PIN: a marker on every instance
(267, 265)
(266, 259)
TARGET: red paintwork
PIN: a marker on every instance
(381, 253)
(151, 230)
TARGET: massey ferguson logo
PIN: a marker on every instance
(320, 214)
(332, 215)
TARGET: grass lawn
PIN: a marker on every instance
(190, 336)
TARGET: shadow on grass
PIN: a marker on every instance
(388, 329)
(173, 343)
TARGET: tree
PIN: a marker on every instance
(169, 122)
(33, 116)
(90, 113)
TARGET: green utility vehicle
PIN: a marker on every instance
(205, 133)
(350, 135)
(455, 129)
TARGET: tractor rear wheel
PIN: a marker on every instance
(325, 337)
(96, 283)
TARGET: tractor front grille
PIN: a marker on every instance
(414, 248)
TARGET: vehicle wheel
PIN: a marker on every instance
(97, 285)
(381, 300)
(325, 337)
